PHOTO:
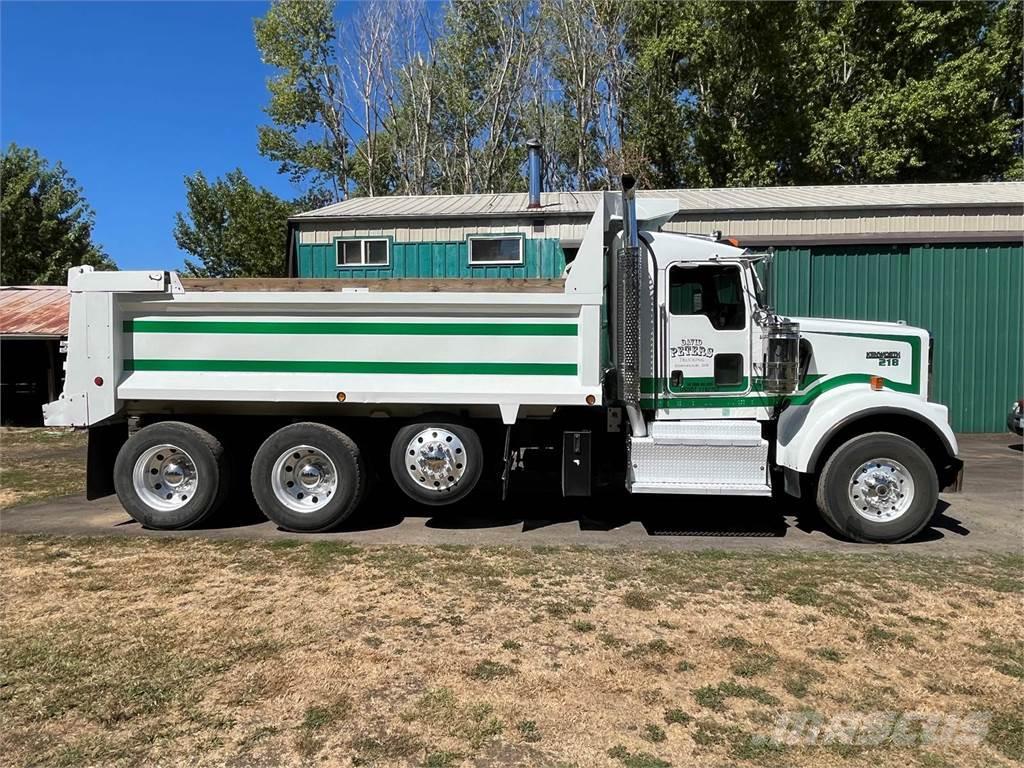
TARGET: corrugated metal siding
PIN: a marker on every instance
(564, 229)
(440, 260)
(969, 296)
(851, 223)
(763, 225)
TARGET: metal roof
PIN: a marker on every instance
(34, 310)
(815, 198)
(447, 206)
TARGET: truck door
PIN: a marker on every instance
(706, 349)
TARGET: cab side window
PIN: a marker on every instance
(712, 290)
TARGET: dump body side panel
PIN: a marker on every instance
(497, 349)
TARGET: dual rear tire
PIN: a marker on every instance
(305, 477)
(308, 477)
(171, 475)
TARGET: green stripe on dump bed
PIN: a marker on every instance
(353, 366)
(351, 328)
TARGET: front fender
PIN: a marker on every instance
(804, 430)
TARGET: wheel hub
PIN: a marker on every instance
(310, 476)
(436, 459)
(174, 474)
(881, 490)
(165, 477)
(304, 478)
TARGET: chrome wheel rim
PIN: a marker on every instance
(881, 490)
(165, 477)
(435, 459)
(304, 479)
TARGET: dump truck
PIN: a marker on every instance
(656, 366)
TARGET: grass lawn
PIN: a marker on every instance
(36, 464)
(128, 651)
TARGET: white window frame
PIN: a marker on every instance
(362, 252)
(517, 262)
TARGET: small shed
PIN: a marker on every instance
(33, 325)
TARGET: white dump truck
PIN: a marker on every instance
(656, 366)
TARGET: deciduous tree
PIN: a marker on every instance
(45, 222)
(728, 94)
(232, 228)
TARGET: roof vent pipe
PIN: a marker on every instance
(533, 146)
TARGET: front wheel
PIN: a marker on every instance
(878, 487)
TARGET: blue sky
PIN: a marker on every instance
(131, 97)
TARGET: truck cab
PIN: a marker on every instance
(734, 399)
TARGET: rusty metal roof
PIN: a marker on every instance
(34, 310)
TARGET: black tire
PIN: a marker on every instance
(212, 475)
(838, 510)
(474, 462)
(343, 453)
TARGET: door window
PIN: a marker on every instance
(712, 290)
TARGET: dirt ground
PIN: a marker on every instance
(144, 651)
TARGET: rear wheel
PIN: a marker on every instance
(170, 475)
(308, 477)
(436, 463)
(878, 487)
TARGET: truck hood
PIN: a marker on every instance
(827, 325)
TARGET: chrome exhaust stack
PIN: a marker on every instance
(627, 311)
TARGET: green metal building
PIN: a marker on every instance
(946, 257)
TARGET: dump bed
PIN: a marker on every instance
(144, 337)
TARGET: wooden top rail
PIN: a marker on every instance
(414, 285)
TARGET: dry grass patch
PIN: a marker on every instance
(26, 455)
(135, 651)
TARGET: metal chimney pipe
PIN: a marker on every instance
(630, 236)
(533, 146)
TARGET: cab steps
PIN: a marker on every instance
(700, 457)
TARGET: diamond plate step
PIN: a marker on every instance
(701, 457)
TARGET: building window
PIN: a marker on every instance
(495, 250)
(367, 252)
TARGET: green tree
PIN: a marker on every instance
(46, 222)
(308, 138)
(728, 94)
(232, 229)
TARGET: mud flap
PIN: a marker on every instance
(104, 443)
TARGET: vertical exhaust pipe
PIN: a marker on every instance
(533, 147)
(627, 329)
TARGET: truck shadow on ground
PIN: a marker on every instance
(678, 516)
(660, 516)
